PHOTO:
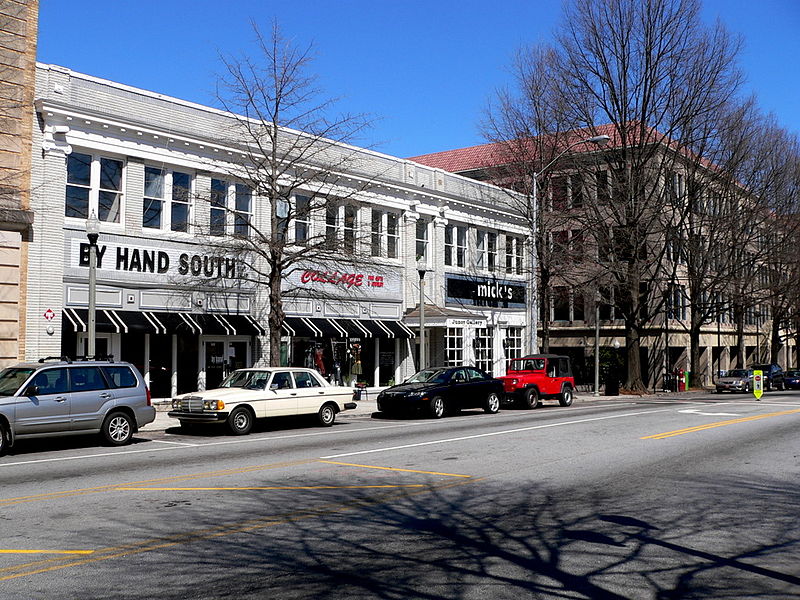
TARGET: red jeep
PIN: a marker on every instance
(538, 377)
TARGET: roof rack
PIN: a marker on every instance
(65, 359)
(98, 357)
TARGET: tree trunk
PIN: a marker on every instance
(276, 317)
(634, 381)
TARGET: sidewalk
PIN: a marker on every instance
(368, 405)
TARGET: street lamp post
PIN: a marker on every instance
(533, 215)
(597, 346)
(92, 233)
(421, 271)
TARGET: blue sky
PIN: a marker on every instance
(424, 68)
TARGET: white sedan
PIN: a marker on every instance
(249, 394)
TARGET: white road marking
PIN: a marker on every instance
(491, 434)
(694, 411)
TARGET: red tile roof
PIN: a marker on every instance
(500, 153)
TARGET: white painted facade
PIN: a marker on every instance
(179, 313)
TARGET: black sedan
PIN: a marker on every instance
(440, 390)
(791, 379)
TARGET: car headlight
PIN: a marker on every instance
(213, 405)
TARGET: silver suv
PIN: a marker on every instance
(64, 397)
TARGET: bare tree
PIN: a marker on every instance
(292, 146)
(653, 77)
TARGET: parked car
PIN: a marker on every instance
(735, 380)
(537, 377)
(65, 397)
(249, 394)
(791, 379)
(773, 376)
(440, 390)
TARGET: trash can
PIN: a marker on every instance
(612, 386)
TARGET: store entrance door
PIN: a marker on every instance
(223, 356)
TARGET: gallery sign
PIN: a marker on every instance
(485, 291)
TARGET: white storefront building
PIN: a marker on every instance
(186, 316)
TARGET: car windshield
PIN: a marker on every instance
(11, 379)
(527, 364)
(739, 373)
(429, 376)
(793, 373)
(249, 380)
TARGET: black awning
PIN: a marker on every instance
(399, 329)
(212, 324)
(299, 327)
(245, 325)
(326, 328)
(177, 322)
(78, 320)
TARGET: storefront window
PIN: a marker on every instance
(454, 344)
(484, 349)
(513, 342)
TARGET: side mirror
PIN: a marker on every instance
(32, 390)
(273, 387)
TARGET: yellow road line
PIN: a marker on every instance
(330, 462)
(108, 488)
(297, 487)
(661, 436)
(12, 551)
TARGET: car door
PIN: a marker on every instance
(91, 397)
(48, 409)
(480, 386)
(281, 396)
(311, 394)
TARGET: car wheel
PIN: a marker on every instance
(531, 398)
(781, 386)
(240, 421)
(3, 440)
(746, 388)
(117, 429)
(326, 415)
(437, 407)
(492, 404)
(565, 399)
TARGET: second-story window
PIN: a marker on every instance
(350, 222)
(243, 210)
(94, 183)
(422, 240)
(181, 197)
(302, 219)
(219, 204)
(455, 245)
(157, 212)
(331, 224)
(392, 235)
(514, 248)
(153, 207)
(384, 233)
(486, 250)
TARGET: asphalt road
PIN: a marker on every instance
(655, 498)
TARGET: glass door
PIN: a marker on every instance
(222, 356)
